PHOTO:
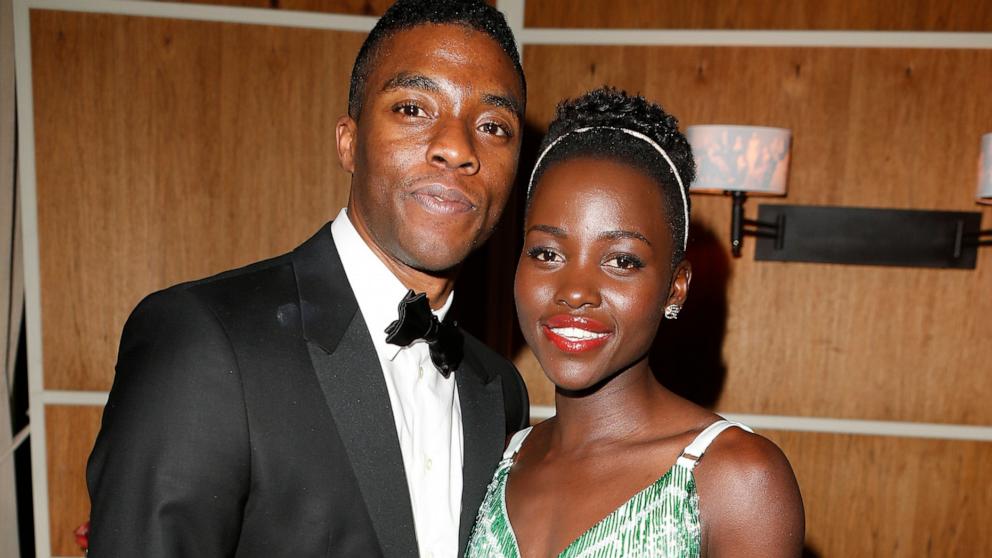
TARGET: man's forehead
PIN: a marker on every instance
(432, 57)
(488, 94)
(428, 45)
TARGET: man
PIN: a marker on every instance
(265, 411)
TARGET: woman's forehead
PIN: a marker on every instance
(599, 193)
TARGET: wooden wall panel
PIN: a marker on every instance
(892, 497)
(348, 7)
(871, 127)
(863, 15)
(70, 431)
(167, 151)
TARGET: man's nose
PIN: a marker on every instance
(453, 148)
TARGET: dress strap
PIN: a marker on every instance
(516, 441)
(694, 452)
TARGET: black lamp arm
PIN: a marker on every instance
(739, 226)
(980, 238)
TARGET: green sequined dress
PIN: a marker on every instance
(660, 521)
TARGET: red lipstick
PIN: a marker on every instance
(575, 334)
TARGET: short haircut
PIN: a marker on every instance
(609, 109)
(407, 14)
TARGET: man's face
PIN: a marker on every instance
(434, 152)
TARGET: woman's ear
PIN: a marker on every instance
(679, 290)
(346, 132)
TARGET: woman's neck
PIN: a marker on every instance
(618, 410)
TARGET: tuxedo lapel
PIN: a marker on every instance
(351, 379)
(483, 430)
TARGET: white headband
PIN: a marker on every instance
(640, 136)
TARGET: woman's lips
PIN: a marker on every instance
(574, 334)
(442, 200)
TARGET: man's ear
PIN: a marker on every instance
(680, 284)
(346, 132)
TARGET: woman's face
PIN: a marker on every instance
(595, 273)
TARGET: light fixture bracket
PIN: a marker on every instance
(868, 236)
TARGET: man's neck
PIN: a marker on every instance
(437, 286)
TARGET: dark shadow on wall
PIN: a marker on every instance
(484, 296)
(810, 552)
(22, 456)
(687, 356)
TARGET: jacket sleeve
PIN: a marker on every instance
(169, 473)
(515, 400)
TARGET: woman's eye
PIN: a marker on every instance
(625, 261)
(411, 110)
(495, 129)
(543, 254)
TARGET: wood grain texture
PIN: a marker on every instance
(826, 15)
(347, 7)
(892, 497)
(871, 127)
(864, 495)
(170, 150)
(70, 433)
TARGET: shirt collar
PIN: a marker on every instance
(376, 289)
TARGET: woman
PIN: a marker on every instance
(619, 471)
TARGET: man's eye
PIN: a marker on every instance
(496, 129)
(543, 254)
(625, 261)
(411, 110)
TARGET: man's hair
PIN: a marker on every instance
(407, 14)
(606, 110)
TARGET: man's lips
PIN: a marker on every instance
(441, 199)
(575, 334)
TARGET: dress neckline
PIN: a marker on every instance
(698, 447)
(511, 458)
(663, 479)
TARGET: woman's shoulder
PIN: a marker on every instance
(749, 495)
(742, 455)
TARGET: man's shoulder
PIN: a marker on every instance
(200, 302)
(259, 279)
(252, 283)
(244, 279)
(487, 356)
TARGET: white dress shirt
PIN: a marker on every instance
(425, 404)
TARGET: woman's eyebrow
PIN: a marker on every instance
(621, 234)
(553, 231)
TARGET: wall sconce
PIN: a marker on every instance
(984, 238)
(742, 160)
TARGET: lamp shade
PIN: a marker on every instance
(750, 159)
(985, 171)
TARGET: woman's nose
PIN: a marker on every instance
(578, 289)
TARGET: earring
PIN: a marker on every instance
(672, 311)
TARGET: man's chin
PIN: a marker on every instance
(436, 259)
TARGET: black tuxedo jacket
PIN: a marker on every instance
(249, 417)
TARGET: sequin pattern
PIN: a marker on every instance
(661, 521)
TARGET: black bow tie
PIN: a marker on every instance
(416, 321)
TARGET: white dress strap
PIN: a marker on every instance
(516, 441)
(694, 452)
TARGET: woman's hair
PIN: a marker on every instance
(610, 124)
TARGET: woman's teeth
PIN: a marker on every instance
(576, 334)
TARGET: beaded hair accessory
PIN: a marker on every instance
(638, 135)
